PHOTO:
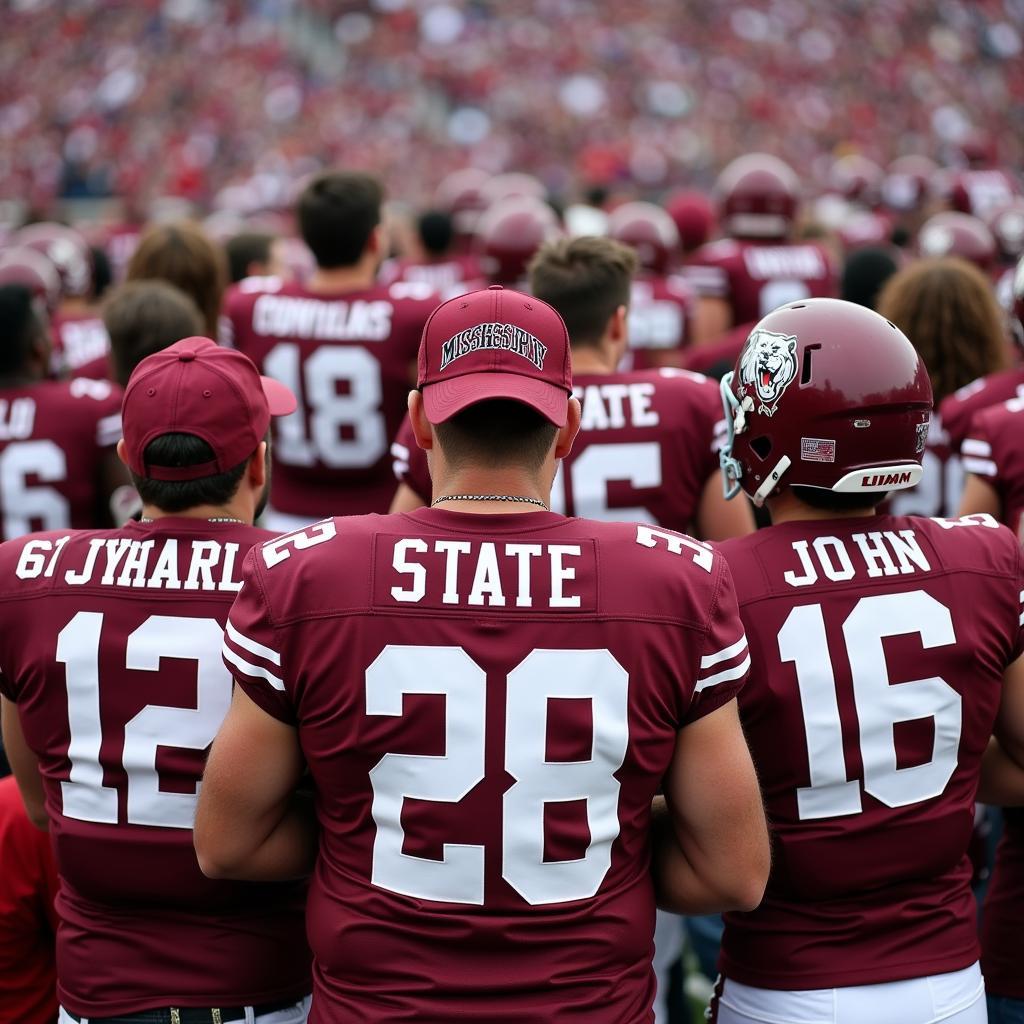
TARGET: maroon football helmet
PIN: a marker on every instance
(958, 234)
(461, 194)
(825, 394)
(513, 185)
(1007, 226)
(908, 182)
(757, 197)
(857, 179)
(650, 231)
(694, 217)
(508, 235)
(67, 250)
(24, 266)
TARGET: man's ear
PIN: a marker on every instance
(421, 428)
(617, 326)
(121, 449)
(257, 470)
(567, 434)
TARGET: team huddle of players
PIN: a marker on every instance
(483, 698)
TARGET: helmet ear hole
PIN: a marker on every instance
(761, 446)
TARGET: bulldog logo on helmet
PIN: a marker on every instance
(769, 363)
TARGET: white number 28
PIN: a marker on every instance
(592, 675)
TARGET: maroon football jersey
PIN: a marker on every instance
(959, 409)
(456, 275)
(757, 277)
(984, 190)
(942, 482)
(81, 345)
(487, 704)
(53, 436)
(879, 646)
(350, 359)
(993, 450)
(661, 311)
(110, 643)
(647, 444)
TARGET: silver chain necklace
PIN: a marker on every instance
(489, 497)
(212, 519)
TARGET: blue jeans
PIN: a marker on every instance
(1003, 1010)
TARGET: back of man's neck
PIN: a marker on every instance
(342, 279)
(593, 361)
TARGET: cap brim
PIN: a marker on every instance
(280, 399)
(443, 399)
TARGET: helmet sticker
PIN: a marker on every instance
(768, 363)
(817, 449)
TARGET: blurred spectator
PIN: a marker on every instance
(234, 102)
(181, 254)
(144, 317)
(437, 264)
(253, 254)
(864, 273)
(946, 307)
(102, 273)
(28, 921)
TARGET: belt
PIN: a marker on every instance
(193, 1014)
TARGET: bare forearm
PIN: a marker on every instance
(288, 850)
(678, 885)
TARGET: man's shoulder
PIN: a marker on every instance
(31, 562)
(958, 410)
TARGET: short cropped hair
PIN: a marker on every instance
(245, 249)
(436, 231)
(497, 432)
(181, 495)
(20, 327)
(181, 254)
(143, 317)
(337, 213)
(586, 279)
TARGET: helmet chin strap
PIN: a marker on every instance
(735, 420)
(771, 480)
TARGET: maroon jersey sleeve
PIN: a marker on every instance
(409, 462)
(110, 643)
(958, 410)
(725, 657)
(878, 649)
(661, 314)
(992, 451)
(252, 648)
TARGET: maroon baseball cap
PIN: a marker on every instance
(197, 387)
(495, 343)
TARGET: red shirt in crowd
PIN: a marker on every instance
(28, 921)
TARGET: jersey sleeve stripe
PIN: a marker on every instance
(252, 646)
(974, 446)
(736, 672)
(248, 669)
(726, 654)
(981, 467)
(267, 653)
